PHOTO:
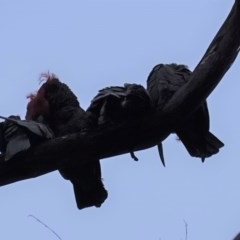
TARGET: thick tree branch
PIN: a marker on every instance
(216, 61)
(111, 141)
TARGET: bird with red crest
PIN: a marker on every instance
(57, 106)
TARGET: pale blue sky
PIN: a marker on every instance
(93, 44)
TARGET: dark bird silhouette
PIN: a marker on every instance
(120, 104)
(163, 81)
(117, 105)
(18, 135)
(57, 106)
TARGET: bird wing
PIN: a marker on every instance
(131, 100)
(104, 95)
(15, 138)
(20, 142)
(164, 80)
(106, 103)
(36, 128)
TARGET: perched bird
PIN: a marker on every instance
(120, 104)
(55, 105)
(116, 105)
(162, 83)
(18, 135)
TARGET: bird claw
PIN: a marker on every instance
(133, 156)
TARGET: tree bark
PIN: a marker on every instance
(107, 141)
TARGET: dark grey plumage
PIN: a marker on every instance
(120, 104)
(60, 109)
(163, 81)
(19, 135)
(116, 105)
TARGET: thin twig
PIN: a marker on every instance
(46, 226)
(186, 229)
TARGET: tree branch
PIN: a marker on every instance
(107, 141)
(216, 61)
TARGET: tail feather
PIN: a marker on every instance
(87, 184)
(88, 196)
(213, 140)
(200, 145)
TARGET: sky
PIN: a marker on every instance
(93, 44)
